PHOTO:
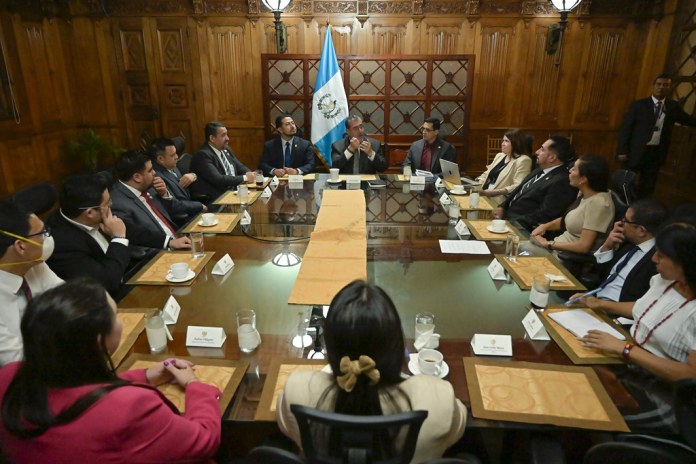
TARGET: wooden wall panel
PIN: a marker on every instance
(389, 39)
(541, 85)
(492, 75)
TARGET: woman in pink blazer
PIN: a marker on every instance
(65, 403)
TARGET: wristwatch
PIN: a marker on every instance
(117, 236)
(549, 245)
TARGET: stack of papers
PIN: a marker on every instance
(578, 322)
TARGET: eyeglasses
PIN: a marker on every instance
(98, 206)
(626, 221)
(46, 232)
(425, 129)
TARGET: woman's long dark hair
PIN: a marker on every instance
(518, 142)
(363, 320)
(677, 241)
(64, 332)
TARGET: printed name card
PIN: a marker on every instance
(274, 181)
(295, 181)
(223, 266)
(246, 219)
(438, 183)
(461, 228)
(493, 345)
(496, 270)
(418, 180)
(445, 200)
(171, 311)
(352, 182)
(266, 193)
(207, 337)
(534, 327)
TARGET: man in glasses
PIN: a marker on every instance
(25, 245)
(425, 154)
(627, 256)
(357, 153)
(90, 241)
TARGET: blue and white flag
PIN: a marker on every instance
(329, 105)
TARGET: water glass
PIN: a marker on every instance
(454, 212)
(156, 332)
(197, 246)
(249, 338)
(425, 322)
(407, 172)
(474, 200)
(258, 177)
(512, 247)
(539, 295)
(243, 193)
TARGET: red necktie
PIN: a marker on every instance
(26, 290)
(427, 157)
(157, 213)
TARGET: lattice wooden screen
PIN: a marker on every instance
(393, 94)
(684, 57)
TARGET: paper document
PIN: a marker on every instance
(578, 322)
(420, 172)
(468, 247)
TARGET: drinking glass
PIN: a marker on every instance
(197, 245)
(156, 332)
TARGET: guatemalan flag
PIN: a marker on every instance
(329, 105)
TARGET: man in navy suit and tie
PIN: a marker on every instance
(164, 157)
(546, 192)
(646, 132)
(425, 154)
(287, 153)
(216, 165)
(357, 153)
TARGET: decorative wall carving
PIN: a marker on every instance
(230, 52)
(595, 99)
(176, 96)
(334, 7)
(388, 40)
(171, 50)
(139, 95)
(390, 7)
(541, 89)
(494, 72)
(133, 50)
(442, 40)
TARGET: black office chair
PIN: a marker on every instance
(623, 183)
(37, 199)
(184, 163)
(272, 455)
(331, 438)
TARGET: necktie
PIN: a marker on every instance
(174, 174)
(356, 162)
(658, 110)
(287, 155)
(427, 157)
(529, 184)
(26, 290)
(158, 214)
(618, 267)
(229, 170)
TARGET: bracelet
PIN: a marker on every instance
(627, 350)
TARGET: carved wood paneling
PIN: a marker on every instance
(171, 50)
(442, 40)
(229, 51)
(602, 54)
(388, 40)
(133, 50)
(341, 36)
(541, 86)
(493, 72)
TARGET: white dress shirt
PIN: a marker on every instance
(613, 290)
(13, 302)
(95, 234)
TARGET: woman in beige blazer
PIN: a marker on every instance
(508, 168)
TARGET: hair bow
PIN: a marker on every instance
(352, 369)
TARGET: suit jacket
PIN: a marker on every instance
(637, 280)
(444, 150)
(182, 207)
(510, 177)
(129, 424)
(543, 201)
(77, 254)
(637, 128)
(273, 157)
(212, 180)
(345, 166)
(142, 229)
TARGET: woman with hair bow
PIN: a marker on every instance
(365, 348)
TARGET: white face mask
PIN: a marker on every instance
(47, 248)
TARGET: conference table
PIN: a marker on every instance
(404, 226)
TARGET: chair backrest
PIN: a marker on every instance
(623, 182)
(184, 163)
(619, 208)
(37, 199)
(331, 438)
(685, 410)
(493, 147)
(272, 455)
(179, 144)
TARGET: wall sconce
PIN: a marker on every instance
(554, 40)
(277, 7)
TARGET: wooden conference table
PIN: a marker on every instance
(404, 258)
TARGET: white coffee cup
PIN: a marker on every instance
(430, 361)
(498, 225)
(474, 200)
(179, 270)
(334, 174)
(208, 219)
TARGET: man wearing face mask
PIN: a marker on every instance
(90, 241)
(25, 245)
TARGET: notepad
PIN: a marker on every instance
(578, 322)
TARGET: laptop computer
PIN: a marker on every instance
(450, 172)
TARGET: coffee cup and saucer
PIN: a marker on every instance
(428, 362)
(498, 226)
(208, 220)
(458, 190)
(180, 272)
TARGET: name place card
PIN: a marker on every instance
(246, 219)
(445, 200)
(171, 310)
(266, 193)
(496, 270)
(493, 345)
(461, 228)
(418, 180)
(534, 327)
(223, 266)
(207, 337)
(275, 181)
(438, 183)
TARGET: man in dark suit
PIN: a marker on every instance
(164, 157)
(425, 154)
(357, 153)
(140, 199)
(287, 153)
(216, 166)
(89, 240)
(646, 132)
(546, 192)
(627, 255)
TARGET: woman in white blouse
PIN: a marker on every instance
(508, 169)
(664, 336)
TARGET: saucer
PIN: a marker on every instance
(462, 192)
(331, 181)
(214, 223)
(415, 370)
(189, 276)
(490, 229)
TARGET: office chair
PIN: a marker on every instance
(272, 455)
(623, 183)
(331, 438)
(184, 163)
(37, 199)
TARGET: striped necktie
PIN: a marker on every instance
(229, 170)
